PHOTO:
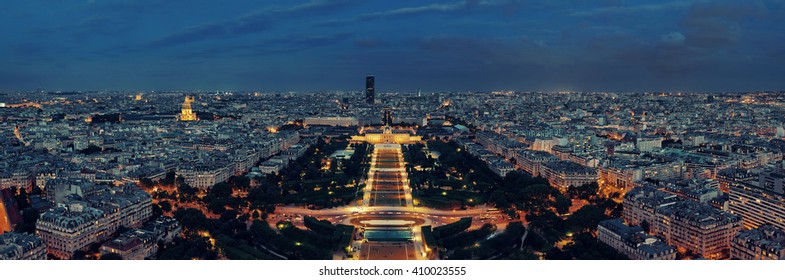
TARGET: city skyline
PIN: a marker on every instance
(708, 46)
(329, 175)
(498, 130)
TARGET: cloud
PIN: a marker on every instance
(270, 46)
(367, 42)
(316, 5)
(672, 39)
(192, 34)
(718, 23)
(513, 52)
(411, 11)
(618, 10)
(255, 22)
(418, 10)
(661, 60)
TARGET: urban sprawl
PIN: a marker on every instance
(392, 175)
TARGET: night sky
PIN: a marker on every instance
(409, 45)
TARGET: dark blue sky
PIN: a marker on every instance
(612, 45)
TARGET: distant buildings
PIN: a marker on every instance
(331, 121)
(763, 243)
(648, 144)
(682, 223)
(633, 242)
(21, 246)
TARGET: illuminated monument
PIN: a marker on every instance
(187, 113)
(386, 134)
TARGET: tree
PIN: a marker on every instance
(221, 189)
(585, 191)
(146, 183)
(548, 223)
(537, 198)
(157, 212)
(29, 218)
(166, 207)
(242, 182)
(168, 180)
(37, 191)
(186, 191)
(499, 199)
(562, 204)
(30, 215)
(526, 254)
(192, 219)
(244, 218)
(91, 149)
(341, 179)
(587, 218)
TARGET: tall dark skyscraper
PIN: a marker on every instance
(369, 90)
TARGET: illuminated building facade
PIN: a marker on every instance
(682, 223)
(633, 242)
(77, 224)
(204, 176)
(187, 113)
(531, 161)
(563, 174)
(387, 135)
(761, 203)
(70, 228)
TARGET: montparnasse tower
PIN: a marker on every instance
(187, 113)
